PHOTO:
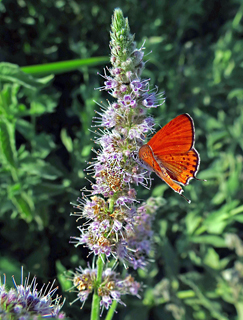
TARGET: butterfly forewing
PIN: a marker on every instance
(177, 136)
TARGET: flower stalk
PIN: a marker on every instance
(95, 309)
(117, 225)
(111, 311)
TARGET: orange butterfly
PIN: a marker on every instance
(171, 153)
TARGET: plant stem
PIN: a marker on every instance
(111, 311)
(63, 66)
(96, 299)
(239, 309)
(111, 204)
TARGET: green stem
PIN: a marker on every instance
(95, 311)
(63, 66)
(111, 204)
(239, 309)
(111, 311)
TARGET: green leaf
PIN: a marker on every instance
(170, 259)
(62, 276)
(159, 190)
(9, 266)
(47, 190)
(12, 73)
(42, 145)
(217, 227)
(236, 93)
(7, 143)
(25, 206)
(239, 218)
(26, 128)
(41, 168)
(67, 141)
(8, 100)
(209, 239)
(218, 220)
(237, 19)
(212, 259)
(213, 307)
(43, 103)
(192, 221)
(37, 108)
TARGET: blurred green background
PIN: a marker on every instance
(196, 268)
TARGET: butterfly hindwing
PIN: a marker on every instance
(181, 167)
(149, 161)
(167, 179)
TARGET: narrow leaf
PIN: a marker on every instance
(12, 73)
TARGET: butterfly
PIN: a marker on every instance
(170, 153)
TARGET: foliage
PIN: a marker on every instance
(197, 52)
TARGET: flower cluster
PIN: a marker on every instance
(25, 302)
(111, 287)
(122, 232)
(117, 224)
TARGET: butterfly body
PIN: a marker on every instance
(171, 154)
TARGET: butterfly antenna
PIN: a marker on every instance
(188, 200)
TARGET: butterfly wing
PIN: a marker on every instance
(163, 174)
(173, 149)
(181, 167)
(148, 160)
(177, 136)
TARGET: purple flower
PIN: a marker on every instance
(152, 100)
(129, 102)
(117, 226)
(110, 84)
(26, 302)
(112, 287)
(106, 301)
(115, 294)
(124, 200)
(83, 295)
(138, 56)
